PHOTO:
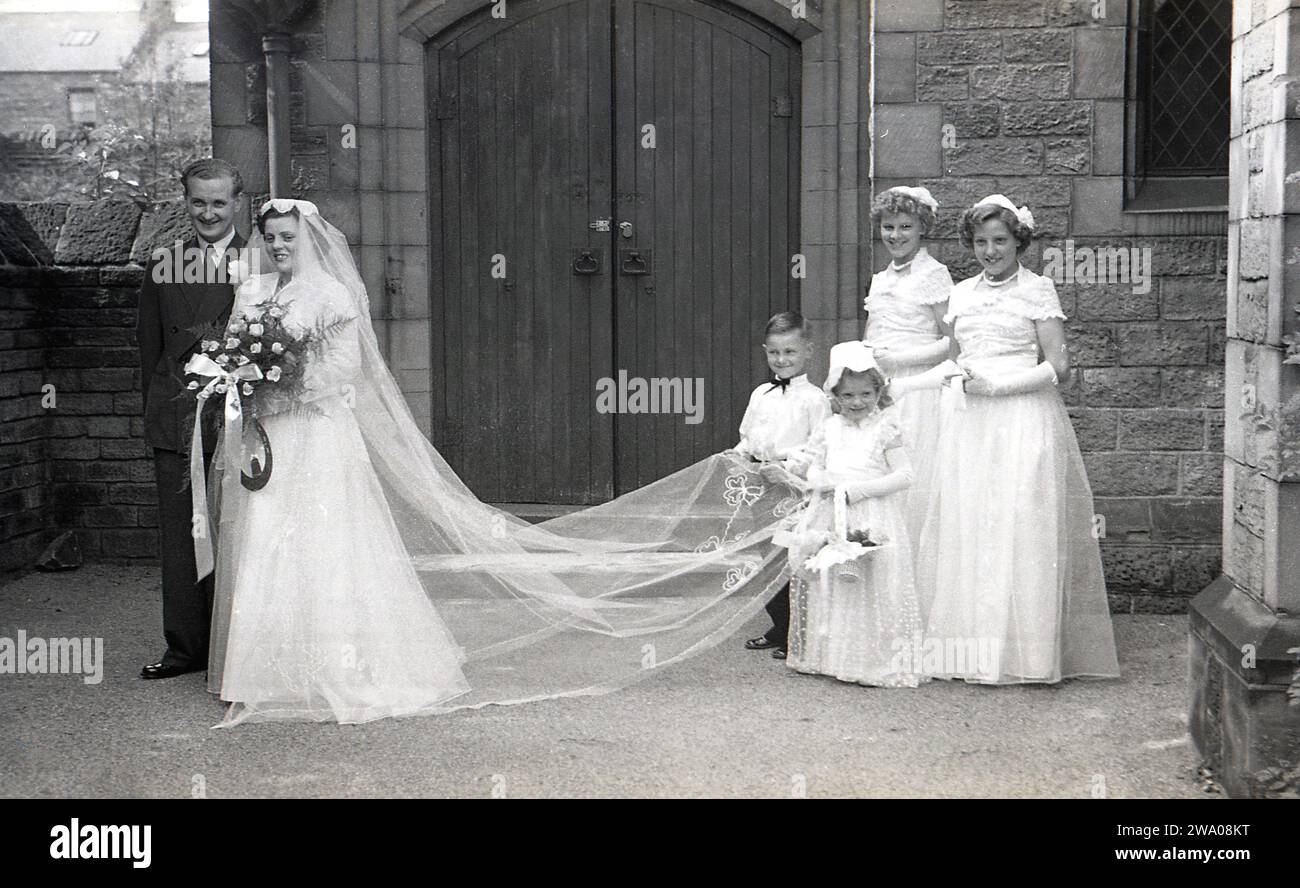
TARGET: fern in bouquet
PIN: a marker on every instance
(266, 362)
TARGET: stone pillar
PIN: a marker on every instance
(835, 195)
(1244, 624)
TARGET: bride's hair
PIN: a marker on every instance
(273, 213)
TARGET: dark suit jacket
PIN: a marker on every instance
(172, 317)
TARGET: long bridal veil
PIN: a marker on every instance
(581, 604)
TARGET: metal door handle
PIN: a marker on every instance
(586, 261)
(634, 261)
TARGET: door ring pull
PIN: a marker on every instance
(586, 261)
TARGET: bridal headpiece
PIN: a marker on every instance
(1022, 213)
(919, 194)
(286, 204)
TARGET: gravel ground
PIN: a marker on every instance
(729, 723)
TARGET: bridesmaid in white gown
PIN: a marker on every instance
(905, 309)
(1009, 561)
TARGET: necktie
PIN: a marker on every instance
(779, 382)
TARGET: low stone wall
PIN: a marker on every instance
(72, 454)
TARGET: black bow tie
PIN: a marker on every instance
(779, 382)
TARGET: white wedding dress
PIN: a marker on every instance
(329, 620)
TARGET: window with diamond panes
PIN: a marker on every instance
(1187, 97)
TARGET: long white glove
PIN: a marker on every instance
(900, 478)
(882, 486)
(1037, 377)
(930, 379)
(917, 354)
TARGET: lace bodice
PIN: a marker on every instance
(307, 303)
(995, 323)
(850, 451)
(899, 305)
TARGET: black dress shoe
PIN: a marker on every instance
(761, 643)
(162, 670)
(778, 654)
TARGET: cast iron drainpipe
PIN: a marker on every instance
(275, 47)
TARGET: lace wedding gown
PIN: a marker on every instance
(328, 620)
(1008, 565)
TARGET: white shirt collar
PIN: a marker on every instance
(219, 246)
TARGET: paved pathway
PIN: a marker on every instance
(728, 723)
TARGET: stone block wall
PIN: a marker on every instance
(1027, 98)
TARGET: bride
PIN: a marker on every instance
(364, 580)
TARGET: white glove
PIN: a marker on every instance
(893, 358)
(930, 379)
(882, 486)
(1037, 377)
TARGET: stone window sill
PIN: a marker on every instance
(1180, 195)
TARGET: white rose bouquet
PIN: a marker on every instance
(263, 361)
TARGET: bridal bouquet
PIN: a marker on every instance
(265, 358)
(257, 364)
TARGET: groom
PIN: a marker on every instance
(174, 310)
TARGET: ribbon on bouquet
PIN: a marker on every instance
(202, 365)
(953, 394)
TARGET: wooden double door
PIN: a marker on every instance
(614, 192)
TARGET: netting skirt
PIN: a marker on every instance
(857, 621)
(323, 616)
(1008, 567)
(919, 417)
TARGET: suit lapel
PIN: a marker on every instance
(208, 303)
(189, 292)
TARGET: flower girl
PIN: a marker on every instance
(853, 603)
(1008, 559)
(905, 309)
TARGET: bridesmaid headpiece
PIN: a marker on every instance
(919, 194)
(1022, 213)
(285, 204)
(855, 356)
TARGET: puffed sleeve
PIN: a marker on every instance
(935, 286)
(1043, 303)
(960, 295)
(891, 432)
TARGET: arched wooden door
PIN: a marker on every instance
(614, 195)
